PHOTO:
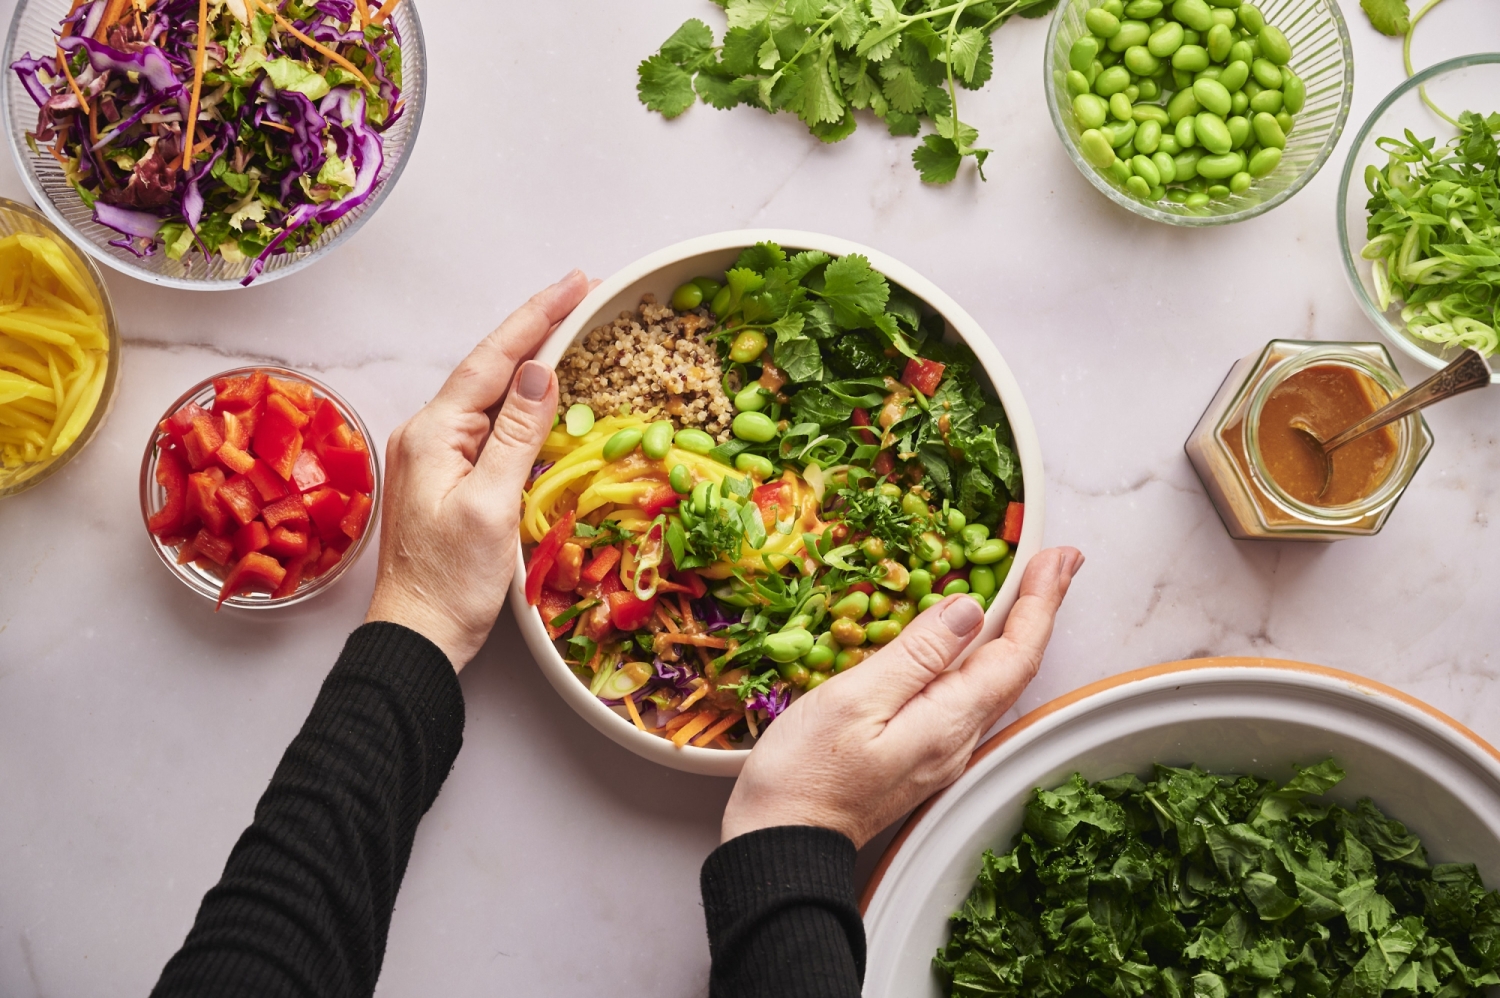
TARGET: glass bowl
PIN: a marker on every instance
(16, 218)
(33, 29)
(1321, 56)
(1468, 83)
(207, 582)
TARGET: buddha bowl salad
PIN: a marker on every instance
(236, 127)
(699, 583)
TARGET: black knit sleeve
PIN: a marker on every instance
(782, 917)
(305, 902)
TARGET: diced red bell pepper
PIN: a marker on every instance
(268, 485)
(236, 460)
(202, 442)
(299, 393)
(203, 501)
(885, 462)
(298, 567)
(771, 497)
(325, 420)
(343, 436)
(308, 473)
(234, 430)
(253, 536)
(349, 469)
(239, 496)
(859, 419)
(599, 566)
(339, 541)
(219, 550)
(356, 516)
(544, 555)
(171, 475)
(923, 375)
(182, 420)
(693, 582)
(278, 440)
(250, 419)
(284, 542)
(628, 613)
(276, 402)
(611, 584)
(186, 552)
(239, 393)
(252, 571)
(330, 557)
(291, 510)
(552, 603)
(326, 508)
(1010, 529)
(658, 498)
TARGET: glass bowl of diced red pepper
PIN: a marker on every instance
(260, 488)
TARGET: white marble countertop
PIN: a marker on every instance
(137, 728)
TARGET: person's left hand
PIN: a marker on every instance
(453, 485)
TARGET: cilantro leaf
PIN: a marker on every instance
(937, 159)
(1389, 17)
(690, 44)
(856, 292)
(664, 86)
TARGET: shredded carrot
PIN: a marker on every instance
(676, 722)
(687, 611)
(384, 11)
(723, 742)
(635, 715)
(93, 123)
(666, 619)
(67, 30)
(199, 61)
(700, 720)
(724, 724)
(279, 127)
(112, 13)
(694, 696)
(318, 47)
(364, 12)
(62, 60)
(703, 657)
(700, 640)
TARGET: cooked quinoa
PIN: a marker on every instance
(651, 361)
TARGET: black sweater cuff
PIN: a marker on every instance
(782, 915)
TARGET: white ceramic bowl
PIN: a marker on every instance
(1241, 715)
(660, 273)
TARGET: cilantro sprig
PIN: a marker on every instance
(822, 60)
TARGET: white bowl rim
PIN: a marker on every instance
(728, 762)
(1196, 672)
(1403, 341)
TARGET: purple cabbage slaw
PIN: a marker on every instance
(260, 182)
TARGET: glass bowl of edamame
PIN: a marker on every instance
(1199, 112)
(1395, 259)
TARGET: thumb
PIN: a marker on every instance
(520, 428)
(922, 653)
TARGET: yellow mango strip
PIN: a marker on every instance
(22, 329)
(87, 336)
(16, 435)
(82, 409)
(57, 386)
(18, 386)
(20, 362)
(67, 410)
(52, 255)
(45, 411)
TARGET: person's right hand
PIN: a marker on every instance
(872, 743)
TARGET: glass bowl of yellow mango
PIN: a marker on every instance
(59, 349)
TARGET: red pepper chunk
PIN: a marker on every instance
(1010, 530)
(239, 393)
(278, 440)
(182, 420)
(253, 536)
(238, 496)
(553, 603)
(291, 510)
(868, 588)
(326, 508)
(349, 469)
(202, 442)
(299, 393)
(308, 473)
(885, 462)
(356, 517)
(628, 613)
(251, 571)
(544, 556)
(203, 501)
(325, 420)
(599, 567)
(235, 459)
(297, 568)
(861, 418)
(234, 430)
(770, 497)
(276, 402)
(268, 485)
(219, 550)
(284, 542)
(659, 497)
(171, 475)
(923, 375)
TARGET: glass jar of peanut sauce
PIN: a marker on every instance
(1266, 482)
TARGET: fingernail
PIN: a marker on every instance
(1074, 562)
(569, 274)
(962, 616)
(534, 380)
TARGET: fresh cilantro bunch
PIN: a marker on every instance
(903, 60)
(1211, 886)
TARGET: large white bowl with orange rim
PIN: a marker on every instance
(660, 273)
(1244, 715)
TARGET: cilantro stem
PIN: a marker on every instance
(1406, 58)
(801, 51)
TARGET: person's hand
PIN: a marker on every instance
(453, 485)
(872, 743)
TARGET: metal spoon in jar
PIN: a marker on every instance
(1468, 372)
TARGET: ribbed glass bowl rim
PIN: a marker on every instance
(113, 354)
(411, 36)
(1169, 218)
(1401, 339)
(203, 391)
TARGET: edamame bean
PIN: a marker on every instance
(880, 605)
(1119, 107)
(883, 632)
(1268, 101)
(852, 606)
(1285, 121)
(919, 583)
(939, 568)
(1267, 132)
(955, 587)
(956, 522)
(1240, 182)
(1212, 96)
(719, 303)
(704, 497)
(1191, 37)
(1112, 81)
(928, 546)
(889, 489)
(873, 548)
(1138, 187)
(1076, 83)
(1234, 76)
(1218, 191)
(1115, 7)
(1091, 110)
(913, 505)
(1194, 13)
(1239, 131)
(687, 297)
(847, 633)
(1191, 58)
(681, 479)
(709, 286)
(1186, 163)
(1169, 145)
(1241, 51)
(988, 552)
(1251, 18)
(1148, 138)
(1142, 9)
(1120, 171)
(1225, 18)
(1165, 40)
(1219, 42)
(1197, 200)
(1166, 167)
(1131, 33)
(1212, 133)
(1239, 103)
(1182, 105)
(579, 420)
(755, 465)
(1266, 73)
(816, 679)
(974, 534)
(795, 673)
(1221, 166)
(751, 398)
(694, 440)
(656, 442)
(1211, 73)
(849, 658)
(1146, 170)
(1264, 162)
(1081, 56)
(787, 646)
(903, 611)
(622, 443)
(1140, 61)
(1148, 90)
(1102, 23)
(1273, 45)
(1143, 113)
(747, 346)
(1293, 92)
(954, 552)
(755, 427)
(1126, 153)
(818, 657)
(929, 601)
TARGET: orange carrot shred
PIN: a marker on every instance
(200, 58)
(724, 724)
(364, 12)
(384, 11)
(62, 60)
(635, 715)
(694, 696)
(318, 47)
(700, 720)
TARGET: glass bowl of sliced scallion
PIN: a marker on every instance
(1416, 225)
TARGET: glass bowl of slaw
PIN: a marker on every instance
(205, 579)
(33, 29)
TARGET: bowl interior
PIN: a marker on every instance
(1250, 720)
(1321, 55)
(32, 30)
(1469, 83)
